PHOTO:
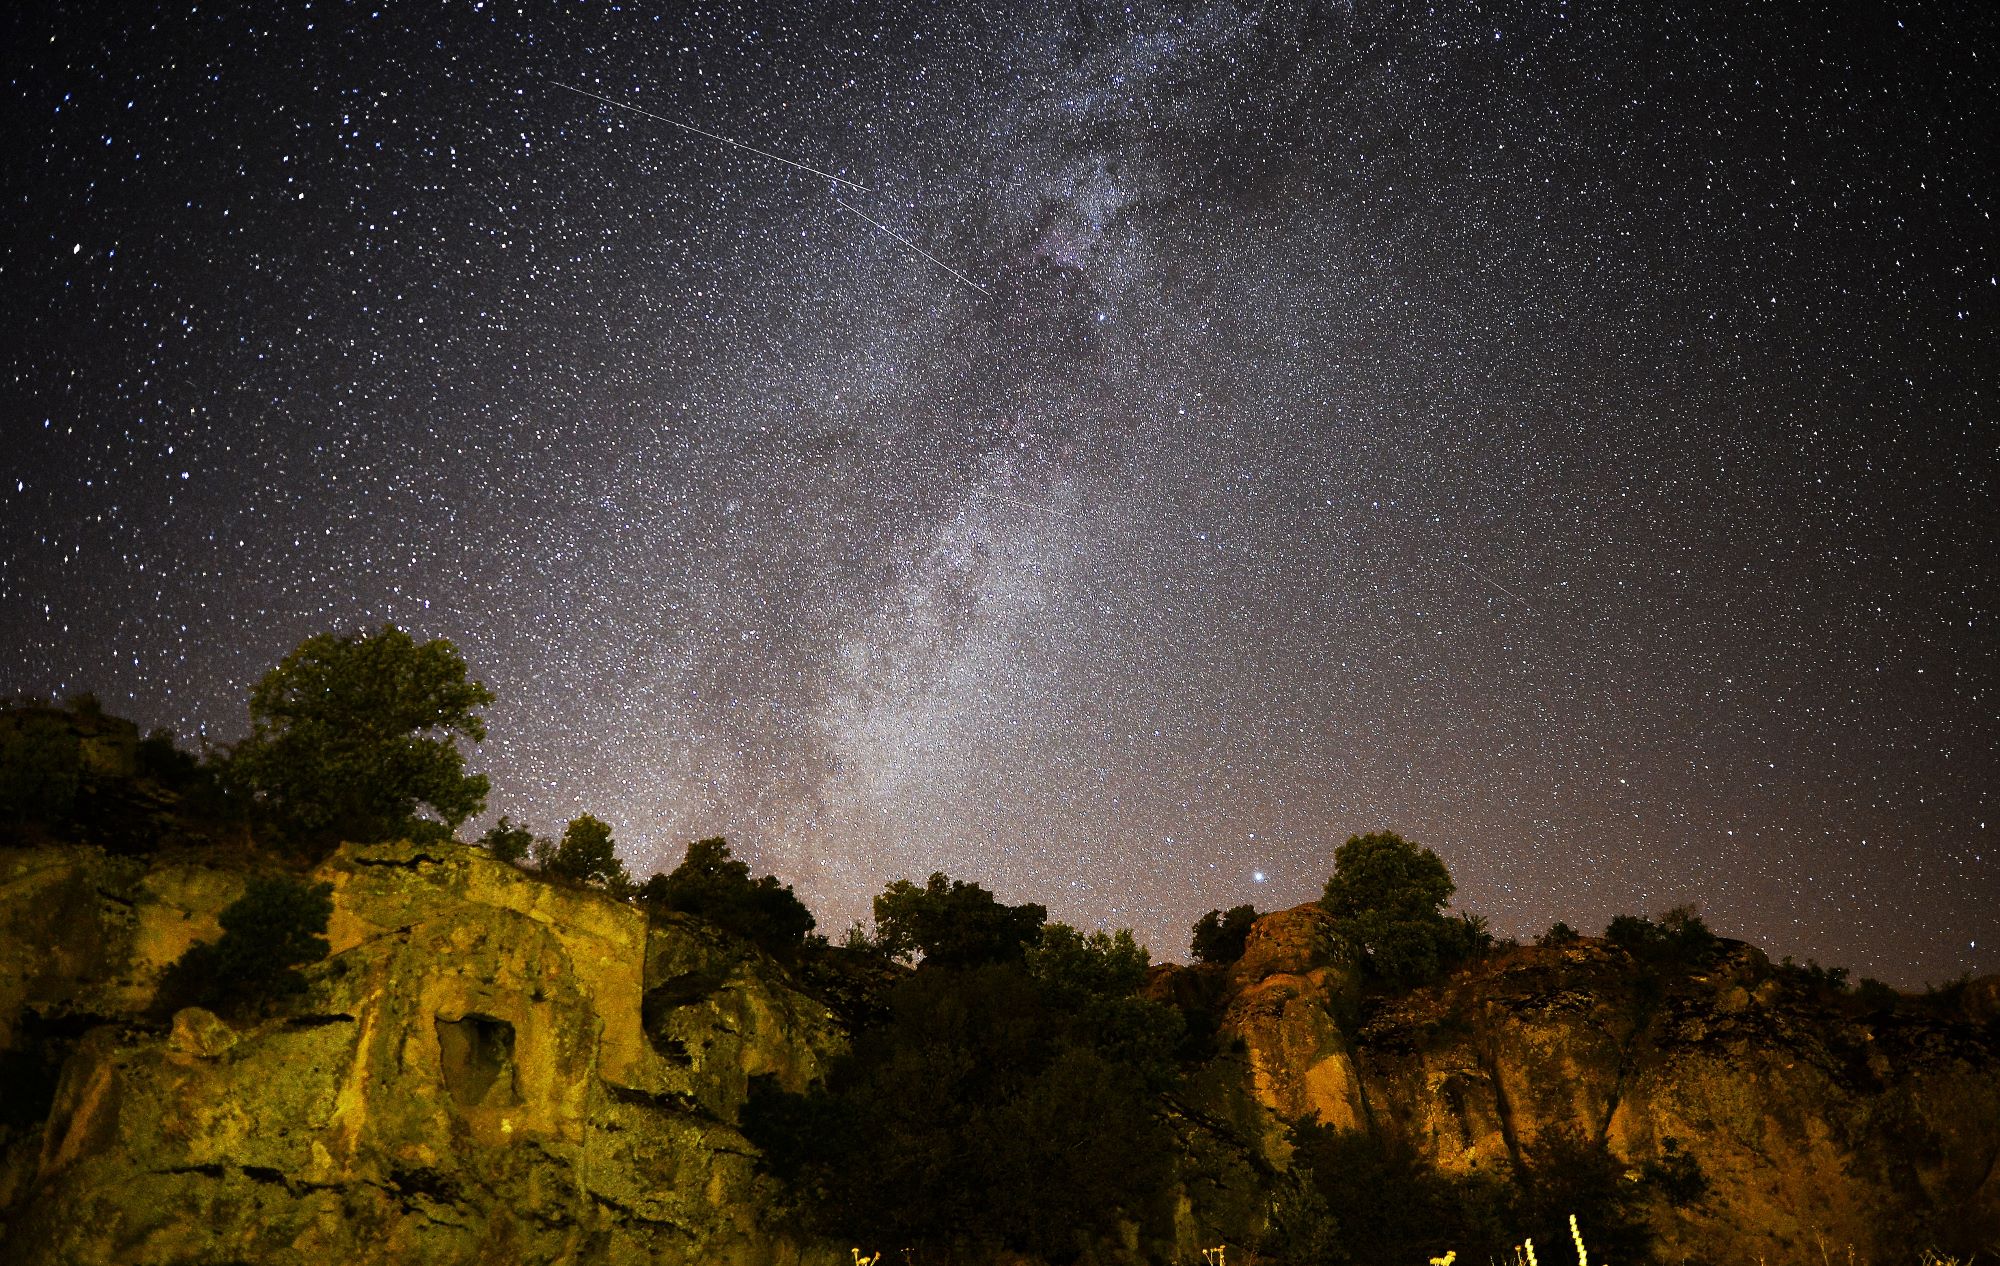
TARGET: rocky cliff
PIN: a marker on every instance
(491, 1068)
(1816, 1124)
(487, 1068)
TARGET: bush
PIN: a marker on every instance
(1678, 940)
(41, 767)
(1559, 933)
(1387, 897)
(587, 855)
(277, 926)
(1103, 964)
(711, 884)
(953, 924)
(508, 842)
(1220, 935)
(984, 1114)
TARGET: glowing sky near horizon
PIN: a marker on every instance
(1564, 433)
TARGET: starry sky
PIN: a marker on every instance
(1151, 443)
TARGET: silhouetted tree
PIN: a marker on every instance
(1387, 897)
(587, 855)
(1105, 964)
(41, 766)
(277, 926)
(1678, 939)
(1219, 935)
(352, 736)
(953, 924)
(716, 886)
(1559, 933)
(508, 842)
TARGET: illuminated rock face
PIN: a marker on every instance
(1810, 1122)
(487, 1068)
(490, 1068)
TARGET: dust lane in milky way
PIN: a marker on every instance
(1111, 453)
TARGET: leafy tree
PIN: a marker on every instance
(274, 928)
(587, 855)
(1387, 897)
(1679, 939)
(352, 736)
(1220, 935)
(713, 885)
(1104, 964)
(982, 1114)
(508, 842)
(953, 924)
(41, 766)
(1559, 933)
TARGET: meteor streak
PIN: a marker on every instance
(1496, 584)
(689, 127)
(913, 246)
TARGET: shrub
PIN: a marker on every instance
(1220, 935)
(1678, 940)
(587, 855)
(41, 767)
(713, 885)
(953, 924)
(1387, 897)
(508, 842)
(277, 926)
(1101, 964)
(1559, 933)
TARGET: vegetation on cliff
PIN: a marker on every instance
(1008, 1085)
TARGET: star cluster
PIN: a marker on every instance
(1161, 441)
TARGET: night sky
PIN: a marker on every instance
(1564, 433)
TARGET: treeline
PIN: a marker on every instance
(1015, 1085)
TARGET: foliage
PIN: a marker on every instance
(274, 928)
(953, 924)
(713, 885)
(1813, 979)
(41, 767)
(508, 842)
(1876, 997)
(587, 855)
(1387, 897)
(1104, 964)
(351, 736)
(1569, 1175)
(1559, 933)
(1678, 939)
(986, 1112)
(1220, 935)
(1390, 1206)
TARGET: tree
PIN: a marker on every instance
(41, 766)
(953, 924)
(1219, 935)
(1387, 897)
(352, 736)
(1106, 964)
(713, 885)
(587, 855)
(508, 842)
(277, 926)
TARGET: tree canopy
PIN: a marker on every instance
(587, 854)
(354, 737)
(951, 923)
(1220, 935)
(1387, 897)
(712, 884)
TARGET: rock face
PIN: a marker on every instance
(487, 1068)
(491, 1068)
(1812, 1125)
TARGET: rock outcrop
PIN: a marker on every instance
(492, 1068)
(486, 1068)
(1813, 1125)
